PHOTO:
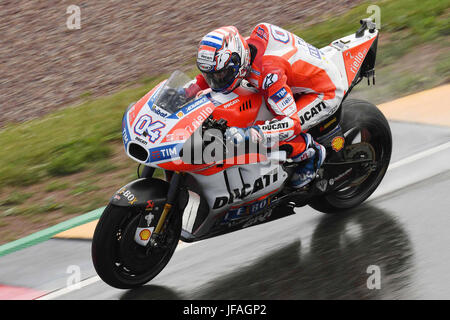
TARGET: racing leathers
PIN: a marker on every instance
(301, 88)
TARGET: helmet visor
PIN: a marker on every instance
(220, 80)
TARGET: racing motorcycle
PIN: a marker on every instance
(197, 199)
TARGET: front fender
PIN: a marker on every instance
(145, 194)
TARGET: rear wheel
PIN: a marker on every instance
(119, 260)
(364, 126)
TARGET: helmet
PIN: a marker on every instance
(223, 58)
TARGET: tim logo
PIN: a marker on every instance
(165, 152)
(280, 94)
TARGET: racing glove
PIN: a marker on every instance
(190, 91)
(238, 135)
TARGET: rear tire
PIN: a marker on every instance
(118, 259)
(373, 129)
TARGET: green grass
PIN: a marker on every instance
(409, 23)
(423, 20)
(406, 25)
(79, 137)
(31, 210)
(64, 142)
(15, 198)
(94, 203)
(103, 166)
(442, 68)
(56, 186)
(83, 187)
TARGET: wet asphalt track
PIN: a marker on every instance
(404, 228)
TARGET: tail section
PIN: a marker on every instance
(355, 54)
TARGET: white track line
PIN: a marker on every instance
(419, 156)
(86, 282)
(60, 292)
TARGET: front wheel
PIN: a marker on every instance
(362, 123)
(118, 259)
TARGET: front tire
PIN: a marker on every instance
(361, 121)
(118, 259)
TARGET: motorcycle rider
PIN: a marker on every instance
(300, 86)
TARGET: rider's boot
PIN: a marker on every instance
(309, 161)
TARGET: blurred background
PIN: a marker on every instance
(63, 91)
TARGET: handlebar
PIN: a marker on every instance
(220, 124)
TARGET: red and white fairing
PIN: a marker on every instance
(154, 136)
(348, 54)
(160, 135)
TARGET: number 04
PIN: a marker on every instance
(145, 124)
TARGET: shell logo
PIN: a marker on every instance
(145, 234)
(337, 143)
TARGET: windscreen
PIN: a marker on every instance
(171, 97)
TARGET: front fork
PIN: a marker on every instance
(172, 196)
(145, 220)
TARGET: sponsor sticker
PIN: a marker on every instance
(127, 195)
(198, 120)
(327, 124)
(285, 102)
(244, 211)
(300, 41)
(279, 34)
(259, 184)
(140, 140)
(280, 94)
(278, 125)
(310, 113)
(205, 58)
(149, 218)
(231, 103)
(189, 108)
(339, 177)
(158, 111)
(269, 80)
(150, 205)
(142, 235)
(255, 72)
(338, 143)
(205, 67)
(145, 234)
(260, 32)
(313, 51)
(356, 60)
(206, 54)
(165, 152)
(125, 136)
